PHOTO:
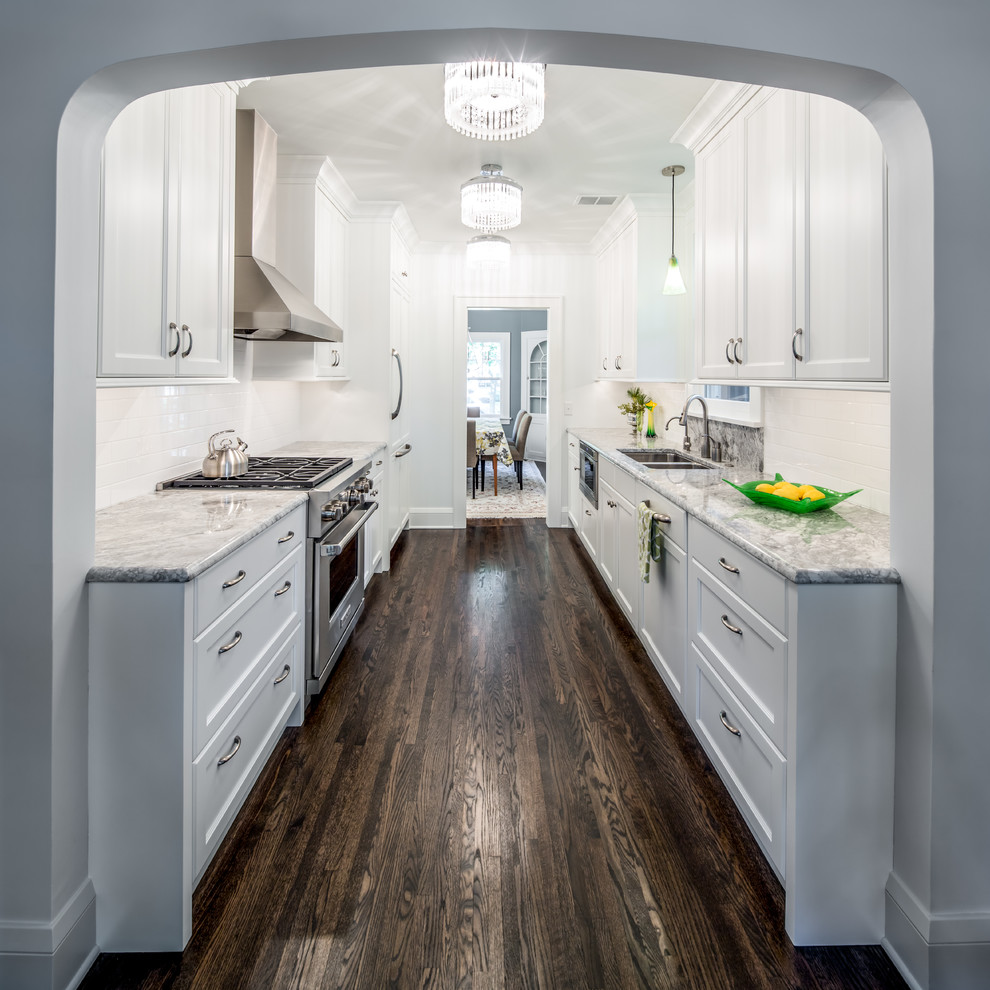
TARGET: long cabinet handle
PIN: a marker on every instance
(288, 536)
(794, 336)
(178, 340)
(724, 716)
(285, 673)
(281, 591)
(728, 625)
(227, 757)
(188, 350)
(731, 568)
(241, 575)
(661, 518)
(227, 647)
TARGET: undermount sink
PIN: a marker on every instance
(664, 459)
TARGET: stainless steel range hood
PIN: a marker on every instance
(267, 306)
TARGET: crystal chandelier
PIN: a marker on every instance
(488, 251)
(491, 201)
(494, 101)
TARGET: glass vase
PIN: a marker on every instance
(650, 430)
(639, 422)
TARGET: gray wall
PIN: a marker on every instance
(57, 52)
(514, 322)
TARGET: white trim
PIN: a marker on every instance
(556, 460)
(938, 928)
(45, 936)
(438, 517)
(504, 339)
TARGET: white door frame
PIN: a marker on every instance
(554, 305)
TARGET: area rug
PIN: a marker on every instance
(510, 503)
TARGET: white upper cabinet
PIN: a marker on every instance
(166, 280)
(313, 253)
(642, 333)
(791, 230)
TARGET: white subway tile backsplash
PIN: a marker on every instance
(839, 439)
(146, 435)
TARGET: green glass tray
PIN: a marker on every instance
(789, 505)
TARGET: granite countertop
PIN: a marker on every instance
(849, 544)
(176, 534)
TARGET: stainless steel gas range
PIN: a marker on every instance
(340, 505)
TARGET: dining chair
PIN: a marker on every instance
(511, 437)
(472, 455)
(473, 412)
(517, 447)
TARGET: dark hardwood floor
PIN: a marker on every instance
(495, 791)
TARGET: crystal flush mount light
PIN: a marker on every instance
(494, 101)
(674, 284)
(491, 201)
(488, 251)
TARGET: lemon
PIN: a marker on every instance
(804, 489)
(791, 493)
(814, 494)
(765, 488)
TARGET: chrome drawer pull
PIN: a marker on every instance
(661, 518)
(178, 341)
(227, 647)
(728, 625)
(731, 568)
(288, 536)
(281, 591)
(725, 721)
(227, 757)
(587, 512)
(241, 575)
(285, 673)
(188, 350)
(794, 336)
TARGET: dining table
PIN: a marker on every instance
(491, 440)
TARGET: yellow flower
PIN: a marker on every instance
(651, 404)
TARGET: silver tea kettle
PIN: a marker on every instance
(225, 460)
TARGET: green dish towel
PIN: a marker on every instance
(644, 516)
(656, 541)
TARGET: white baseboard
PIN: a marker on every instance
(60, 952)
(439, 517)
(935, 951)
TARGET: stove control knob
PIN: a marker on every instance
(333, 511)
(353, 495)
(363, 485)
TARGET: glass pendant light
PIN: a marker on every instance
(494, 101)
(674, 284)
(491, 201)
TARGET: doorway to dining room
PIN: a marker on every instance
(507, 386)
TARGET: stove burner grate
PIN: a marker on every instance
(272, 472)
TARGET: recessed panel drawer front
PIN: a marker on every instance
(228, 655)
(232, 578)
(756, 584)
(748, 653)
(676, 529)
(624, 484)
(225, 771)
(750, 767)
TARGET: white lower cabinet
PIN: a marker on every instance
(374, 540)
(574, 497)
(662, 625)
(191, 685)
(790, 690)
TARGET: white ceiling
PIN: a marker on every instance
(606, 132)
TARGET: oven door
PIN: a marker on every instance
(338, 591)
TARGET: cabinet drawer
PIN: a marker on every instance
(744, 649)
(228, 655)
(750, 767)
(755, 583)
(623, 483)
(244, 743)
(676, 529)
(233, 577)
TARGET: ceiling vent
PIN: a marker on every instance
(595, 200)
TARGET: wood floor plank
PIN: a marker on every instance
(494, 792)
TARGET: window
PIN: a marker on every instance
(488, 373)
(741, 404)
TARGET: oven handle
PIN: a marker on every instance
(332, 545)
